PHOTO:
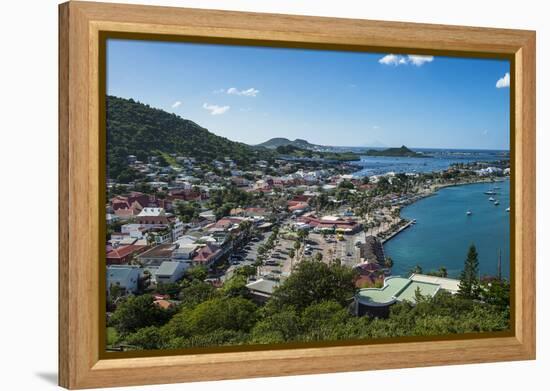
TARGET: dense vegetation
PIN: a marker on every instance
(313, 304)
(134, 128)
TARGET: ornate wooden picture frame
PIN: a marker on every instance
(83, 30)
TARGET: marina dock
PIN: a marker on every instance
(401, 229)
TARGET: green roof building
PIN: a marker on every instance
(377, 301)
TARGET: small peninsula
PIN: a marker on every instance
(402, 151)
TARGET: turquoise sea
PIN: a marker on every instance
(443, 231)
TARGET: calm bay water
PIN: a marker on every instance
(443, 231)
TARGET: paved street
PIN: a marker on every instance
(278, 261)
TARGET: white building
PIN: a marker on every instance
(177, 230)
(152, 212)
(124, 276)
(184, 252)
(136, 231)
(170, 272)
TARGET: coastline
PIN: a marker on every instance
(443, 218)
(431, 192)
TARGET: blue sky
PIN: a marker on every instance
(252, 94)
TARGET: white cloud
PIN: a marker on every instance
(414, 59)
(176, 104)
(419, 60)
(249, 92)
(504, 81)
(390, 59)
(215, 109)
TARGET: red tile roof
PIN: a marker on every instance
(124, 251)
(206, 253)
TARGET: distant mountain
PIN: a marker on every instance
(284, 142)
(402, 151)
(301, 153)
(134, 128)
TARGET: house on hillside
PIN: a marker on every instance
(120, 255)
(170, 272)
(261, 290)
(207, 255)
(153, 216)
(130, 205)
(124, 276)
(156, 255)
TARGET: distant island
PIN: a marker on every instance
(296, 152)
(276, 142)
(301, 148)
(402, 151)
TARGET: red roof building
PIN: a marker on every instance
(130, 205)
(207, 254)
(347, 225)
(123, 254)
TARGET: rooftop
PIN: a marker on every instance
(161, 251)
(448, 284)
(263, 286)
(151, 212)
(167, 268)
(123, 251)
(395, 289)
(121, 273)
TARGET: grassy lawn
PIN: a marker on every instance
(112, 336)
(169, 159)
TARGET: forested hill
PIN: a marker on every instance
(283, 142)
(134, 128)
(403, 151)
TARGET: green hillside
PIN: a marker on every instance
(134, 128)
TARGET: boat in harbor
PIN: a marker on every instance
(497, 202)
(469, 213)
(508, 209)
(491, 199)
(490, 192)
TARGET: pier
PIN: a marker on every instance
(404, 227)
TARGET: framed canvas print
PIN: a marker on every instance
(247, 195)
